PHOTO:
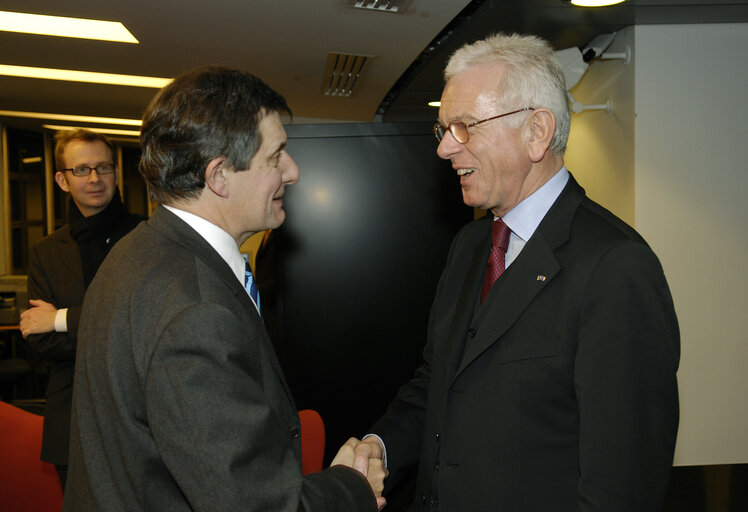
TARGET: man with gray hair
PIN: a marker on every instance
(549, 373)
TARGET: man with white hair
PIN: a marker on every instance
(549, 373)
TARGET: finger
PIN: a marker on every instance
(362, 454)
(381, 502)
(345, 453)
(36, 302)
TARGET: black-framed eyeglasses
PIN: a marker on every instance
(460, 130)
(85, 171)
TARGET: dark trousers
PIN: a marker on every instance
(62, 472)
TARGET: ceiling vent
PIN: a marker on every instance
(342, 73)
(396, 6)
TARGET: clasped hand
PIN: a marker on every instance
(365, 457)
(38, 319)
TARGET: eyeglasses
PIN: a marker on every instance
(85, 171)
(459, 129)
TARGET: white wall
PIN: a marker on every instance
(600, 152)
(691, 185)
(672, 159)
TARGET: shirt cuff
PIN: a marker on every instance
(384, 448)
(61, 320)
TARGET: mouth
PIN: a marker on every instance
(463, 172)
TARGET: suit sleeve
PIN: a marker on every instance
(52, 346)
(625, 380)
(402, 426)
(220, 438)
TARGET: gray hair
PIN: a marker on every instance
(533, 76)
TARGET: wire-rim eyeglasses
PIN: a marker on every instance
(459, 129)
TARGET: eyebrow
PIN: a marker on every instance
(280, 149)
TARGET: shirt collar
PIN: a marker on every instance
(525, 218)
(223, 243)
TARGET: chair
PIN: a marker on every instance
(312, 441)
(26, 483)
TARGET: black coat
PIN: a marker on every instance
(559, 393)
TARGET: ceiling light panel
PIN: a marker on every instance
(394, 6)
(342, 73)
(65, 27)
(70, 75)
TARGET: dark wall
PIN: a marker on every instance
(347, 282)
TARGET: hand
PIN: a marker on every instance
(38, 319)
(366, 457)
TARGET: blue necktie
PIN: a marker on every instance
(249, 283)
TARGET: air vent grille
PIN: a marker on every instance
(395, 6)
(343, 72)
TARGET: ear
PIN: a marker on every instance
(542, 127)
(62, 181)
(216, 178)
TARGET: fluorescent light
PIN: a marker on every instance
(70, 75)
(595, 3)
(110, 131)
(31, 160)
(70, 117)
(65, 27)
(435, 104)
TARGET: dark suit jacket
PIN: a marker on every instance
(56, 276)
(559, 392)
(179, 400)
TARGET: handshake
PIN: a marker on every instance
(365, 457)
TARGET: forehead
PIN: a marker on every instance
(81, 151)
(473, 93)
(272, 132)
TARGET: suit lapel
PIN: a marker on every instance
(69, 254)
(534, 269)
(180, 232)
(465, 301)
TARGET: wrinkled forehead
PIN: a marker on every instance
(472, 93)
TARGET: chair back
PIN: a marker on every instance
(26, 483)
(312, 441)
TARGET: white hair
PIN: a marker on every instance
(533, 76)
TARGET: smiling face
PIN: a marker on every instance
(494, 166)
(90, 193)
(257, 192)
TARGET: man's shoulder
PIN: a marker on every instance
(61, 235)
(597, 221)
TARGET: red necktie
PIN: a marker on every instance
(495, 266)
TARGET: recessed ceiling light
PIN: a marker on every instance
(593, 3)
(70, 117)
(109, 131)
(70, 75)
(65, 27)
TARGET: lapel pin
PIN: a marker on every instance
(541, 278)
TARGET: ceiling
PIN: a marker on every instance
(287, 42)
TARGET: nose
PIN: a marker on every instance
(291, 173)
(448, 147)
(93, 176)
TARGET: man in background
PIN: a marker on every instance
(549, 373)
(62, 266)
(180, 403)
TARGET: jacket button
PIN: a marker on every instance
(294, 432)
(471, 332)
(434, 502)
(424, 500)
(437, 438)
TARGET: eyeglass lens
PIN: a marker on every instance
(458, 128)
(85, 171)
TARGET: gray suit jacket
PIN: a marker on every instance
(179, 401)
(559, 392)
